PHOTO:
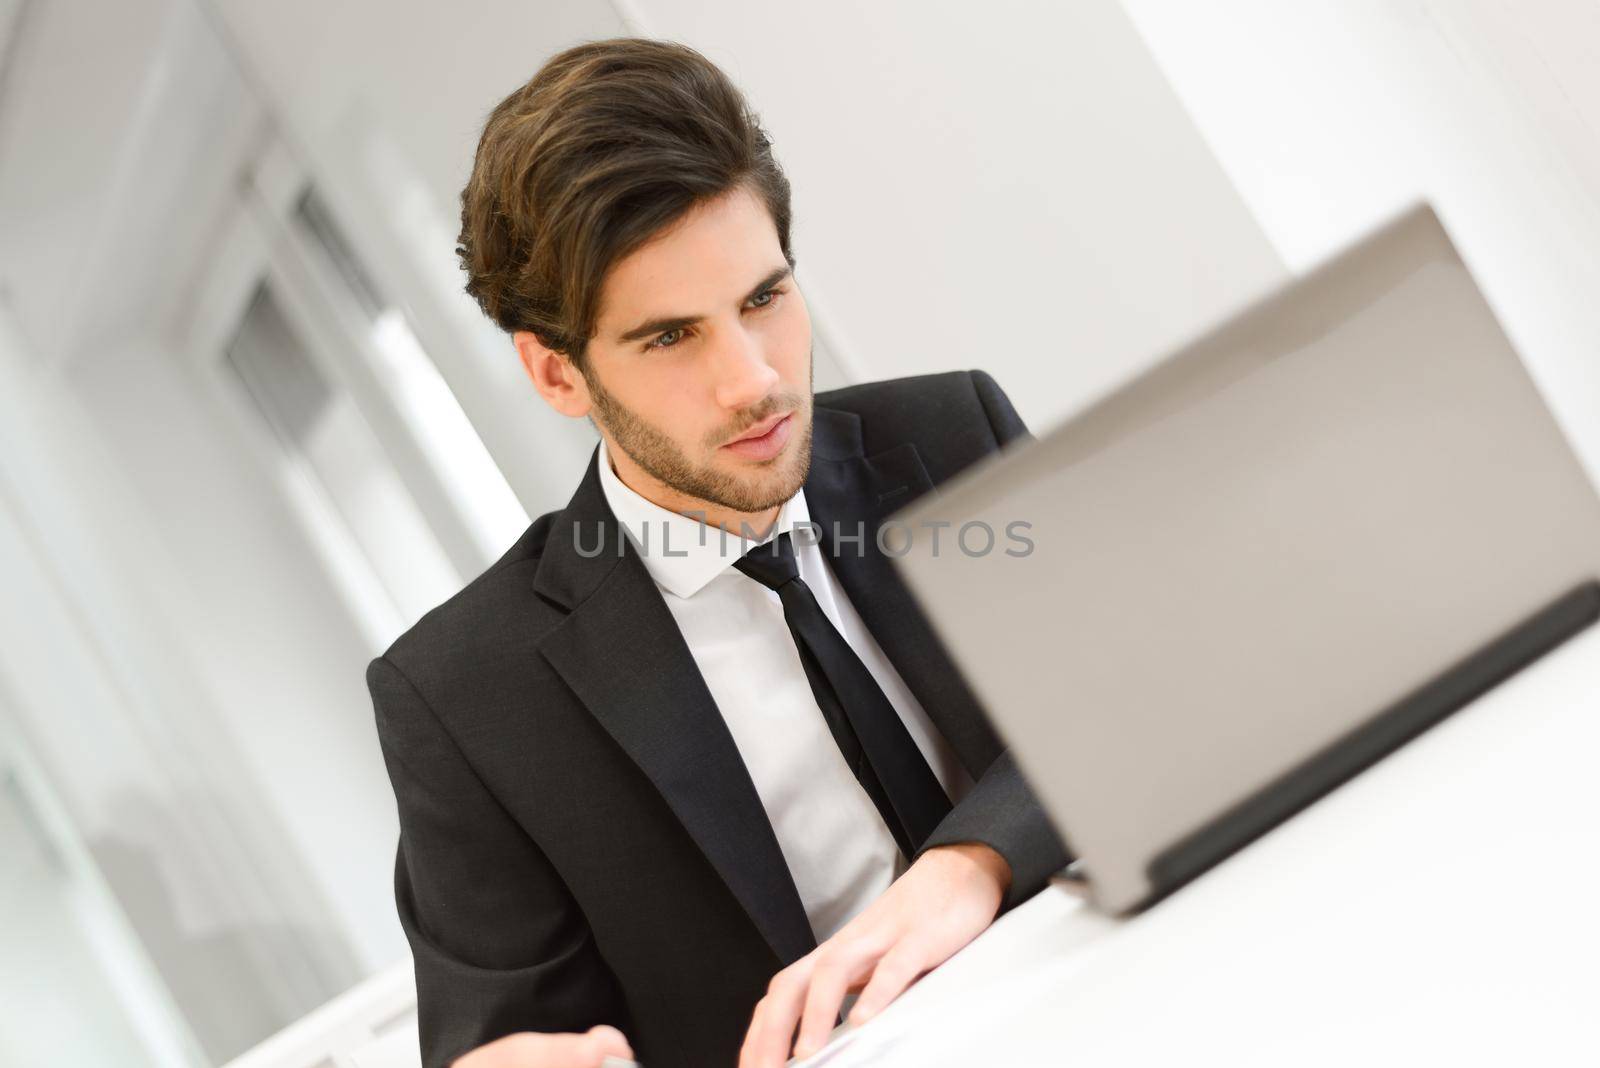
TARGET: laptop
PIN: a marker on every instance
(1252, 571)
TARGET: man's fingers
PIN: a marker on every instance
(834, 975)
(534, 1049)
(766, 1044)
(898, 969)
(607, 1041)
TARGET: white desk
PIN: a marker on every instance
(1443, 908)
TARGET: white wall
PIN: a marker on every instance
(79, 985)
(1022, 193)
(1012, 186)
(278, 652)
(1330, 115)
(107, 647)
(383, 105)
(192, 687)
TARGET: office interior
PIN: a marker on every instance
(249, 419)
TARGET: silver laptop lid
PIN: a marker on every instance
(1258, 554)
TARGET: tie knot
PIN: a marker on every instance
(772, 563)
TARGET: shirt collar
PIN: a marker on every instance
(681, 553)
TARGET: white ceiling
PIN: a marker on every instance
(122, 127)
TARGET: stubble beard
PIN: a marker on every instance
(664, 460)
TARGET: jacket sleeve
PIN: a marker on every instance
(1001, 810)
(498, 943)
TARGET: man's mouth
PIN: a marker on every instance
(761, 428)
(764, 440)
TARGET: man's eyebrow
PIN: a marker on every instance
(662, 325)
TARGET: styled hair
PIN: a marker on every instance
(608, 145)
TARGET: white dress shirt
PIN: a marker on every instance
(840, 854)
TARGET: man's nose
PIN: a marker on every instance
(743, 375)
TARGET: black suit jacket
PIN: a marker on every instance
(580, 842)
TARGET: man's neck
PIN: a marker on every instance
(658, 493)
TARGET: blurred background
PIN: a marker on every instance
(251, 428)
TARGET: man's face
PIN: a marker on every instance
(703, 339)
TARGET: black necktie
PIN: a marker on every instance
(870, 733)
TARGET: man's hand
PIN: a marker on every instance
(527, 1049)
(939, 904)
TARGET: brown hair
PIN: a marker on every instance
(611, 142)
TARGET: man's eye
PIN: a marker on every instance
(671, 338)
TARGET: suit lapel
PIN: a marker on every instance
(849, 493)
(621, 652)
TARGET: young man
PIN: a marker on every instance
(664, 788)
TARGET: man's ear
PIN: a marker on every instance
(560, 383)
